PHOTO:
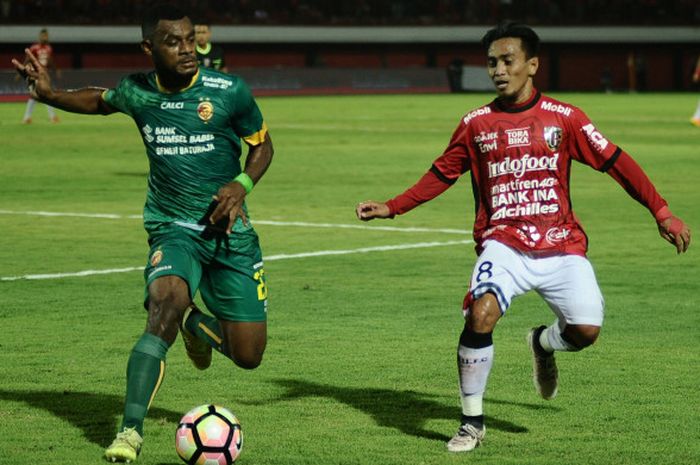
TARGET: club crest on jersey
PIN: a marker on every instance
(205, 110)
(156, 257)
(553, 136)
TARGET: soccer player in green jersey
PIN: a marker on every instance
(192, 121)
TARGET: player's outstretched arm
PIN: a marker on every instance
(370, 210)
(87, 100)
(231, 195)
(673, 229)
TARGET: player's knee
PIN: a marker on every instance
(581, 336)
(246, 356)
(248, 361)
(167, 299)
(483, 314)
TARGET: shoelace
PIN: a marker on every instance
(124, 435)
(468, 430)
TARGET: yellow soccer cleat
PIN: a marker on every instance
(695, 122)
(198, 351)
(125, 447)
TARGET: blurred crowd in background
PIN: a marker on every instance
(364, 12)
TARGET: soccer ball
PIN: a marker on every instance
(209, 435)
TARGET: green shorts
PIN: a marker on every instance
(230, 280)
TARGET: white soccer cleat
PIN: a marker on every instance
(467, 438)
(544, 367)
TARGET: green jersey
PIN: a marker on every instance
(192, 138)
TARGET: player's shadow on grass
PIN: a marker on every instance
(95, 414)
(406, 411)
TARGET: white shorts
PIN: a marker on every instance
(566, 282)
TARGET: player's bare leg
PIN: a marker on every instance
(243, 342)
(167, 299)
(474, 360)
(544, 341)
(198, 350)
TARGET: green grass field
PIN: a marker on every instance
(360, 366)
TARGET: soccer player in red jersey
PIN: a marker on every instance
(44, 53)
(518, 150)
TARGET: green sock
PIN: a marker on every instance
(207, 329)
(144, 374)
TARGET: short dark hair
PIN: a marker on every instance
(528, 37)
(157, 13)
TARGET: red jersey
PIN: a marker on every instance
(520, 159)
(42, 52)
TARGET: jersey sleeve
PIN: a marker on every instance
(455, 159)
(595, 150)
(636, 183)
(118, 97)
(246, 120)
(590, 146)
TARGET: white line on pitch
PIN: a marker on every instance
(319, 253)
(380, 248)
(359, 226)
(333, 127)
(111, 216)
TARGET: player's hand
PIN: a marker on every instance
(676, 232)
(370, 210)
(36, 75)
(230, 198)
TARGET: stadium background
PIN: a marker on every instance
(363, 321)
(315, 47)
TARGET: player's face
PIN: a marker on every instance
(44, 38)
(510, 69)
(202, 34)
(172, 47)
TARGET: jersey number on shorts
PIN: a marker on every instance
(259, 276)
(484, 269)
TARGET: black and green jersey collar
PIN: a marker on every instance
(163, 90)
(517, 108)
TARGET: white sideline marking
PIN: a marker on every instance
(71, 275)
(360, 226)
(335, 127)
(111, 216)
(320, 253)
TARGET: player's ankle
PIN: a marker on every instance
(477, 421)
